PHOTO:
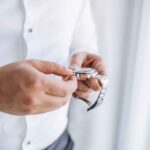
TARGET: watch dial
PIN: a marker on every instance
(85, 73)
(84, 70)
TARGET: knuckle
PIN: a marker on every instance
(30, 101)
(33, 82)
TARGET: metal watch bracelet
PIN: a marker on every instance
(103, 81)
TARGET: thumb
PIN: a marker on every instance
(77, 59)
(48, 67)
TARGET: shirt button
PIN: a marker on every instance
(28, 143)
(30, 30)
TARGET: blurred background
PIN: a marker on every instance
(123, 121)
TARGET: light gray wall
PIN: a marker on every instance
(121, 31)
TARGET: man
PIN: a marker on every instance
(38, 38)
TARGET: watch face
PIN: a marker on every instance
(84, 73)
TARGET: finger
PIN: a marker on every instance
(49, 103)
(83, 94)
(88, 63)
(50, 67)
(59, 87)
(57, 102)
(78, 58)
(95, 62)
(94, 84)
(91, 59)
(99, 67)
(91, 56)
(84, 87)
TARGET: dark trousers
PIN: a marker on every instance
(64, 142)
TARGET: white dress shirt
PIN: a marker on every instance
(46, 30)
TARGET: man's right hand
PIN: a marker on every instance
(26, 89)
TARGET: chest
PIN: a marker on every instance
(56, 15)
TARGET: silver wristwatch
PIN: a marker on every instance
(86, 73)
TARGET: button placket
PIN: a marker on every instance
(28, 28)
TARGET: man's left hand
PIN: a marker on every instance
(84, 59)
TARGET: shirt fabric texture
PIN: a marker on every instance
(46, 30)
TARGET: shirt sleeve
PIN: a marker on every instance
(84, 37)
